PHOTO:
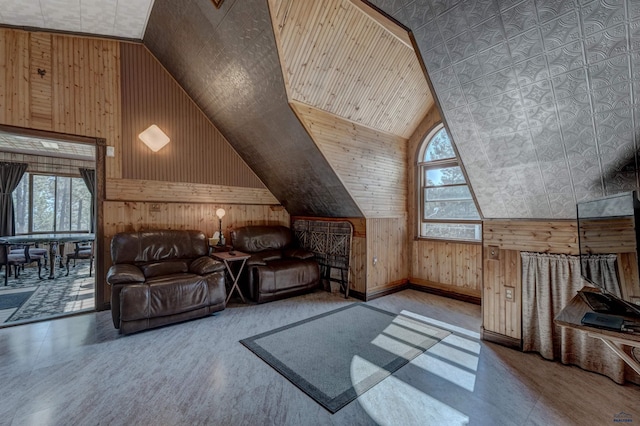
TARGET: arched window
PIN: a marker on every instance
(447, 208)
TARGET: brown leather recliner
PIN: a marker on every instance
(277, 268)
(163, 277)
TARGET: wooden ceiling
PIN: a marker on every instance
(330, 63)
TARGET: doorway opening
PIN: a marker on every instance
(55, 206)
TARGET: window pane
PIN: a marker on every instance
(453, 231)
(450, 210)
(440, 147)
(21, 205)
(43, 203)
(444, 176)
(448, 193)
(80, 206)
(63, 207)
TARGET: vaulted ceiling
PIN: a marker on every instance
(118, 18)
(542, 97)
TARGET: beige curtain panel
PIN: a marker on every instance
(602, 269)
(549, 282)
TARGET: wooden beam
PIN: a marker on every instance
(394, 29)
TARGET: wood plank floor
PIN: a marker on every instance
(78, 370)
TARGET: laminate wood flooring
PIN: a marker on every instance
(79, 371)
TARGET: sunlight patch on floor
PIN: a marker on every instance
(455, 359)
(394, 402)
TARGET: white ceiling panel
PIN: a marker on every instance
(117, 18)
(22, 12)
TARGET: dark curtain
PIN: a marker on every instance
(10, 176)
(89, 178)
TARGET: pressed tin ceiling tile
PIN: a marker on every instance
(571, 81)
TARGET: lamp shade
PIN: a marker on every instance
(154, 138)
(220, 213)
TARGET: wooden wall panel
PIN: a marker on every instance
(79, 93)
(86, 91)
(337, 58)
(449, 266)
(372, 165)
(41, 100)
(197, 153)
(597, 235)
(15, 75)
(504, 240)
(529, 235)
(629, 276)
(499, 314)
(387, 259)
(151, 190)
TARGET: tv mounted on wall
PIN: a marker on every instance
(608, 236)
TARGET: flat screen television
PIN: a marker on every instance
(608, 236)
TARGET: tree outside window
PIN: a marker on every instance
(49, 203)
(447, 208)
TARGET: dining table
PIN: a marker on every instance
(52, 240)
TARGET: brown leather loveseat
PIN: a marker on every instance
(162, 277)
(277, 268)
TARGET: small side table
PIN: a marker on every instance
(228, 258)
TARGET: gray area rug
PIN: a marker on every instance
(63, 295)
(339, 355)
(14, 300)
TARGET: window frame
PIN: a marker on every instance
(421, 168)
(55, 202)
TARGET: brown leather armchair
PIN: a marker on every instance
(277, 267)
(163, 277)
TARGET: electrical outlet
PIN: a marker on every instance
(375, 260)
(508, 293)
(154, 208)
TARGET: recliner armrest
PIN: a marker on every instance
(205, 265)
(125, 273)
(298, 253)
(261, 258)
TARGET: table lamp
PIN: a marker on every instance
(220, 213)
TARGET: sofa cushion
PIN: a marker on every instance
(253, 239)
(205, 265)
(124, 273)
(167, 267)
(263, 257)
(153, 246)
(298, 253)
(163, 296)
(285, 274)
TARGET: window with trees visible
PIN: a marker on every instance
(49, 203)
(447, 208)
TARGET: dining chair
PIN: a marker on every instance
(17, 257)
(82, 251)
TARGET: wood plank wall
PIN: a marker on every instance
(387, 258)
(371, 164)
(329, 62)
(504, 240)
(448, 266)
(80, 94)
(197, 152)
